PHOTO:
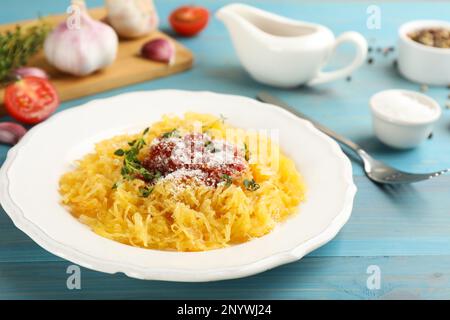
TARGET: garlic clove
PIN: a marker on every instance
(132, 18)
(83, 47)
(11, 132)
(30, 71)
(161, 50)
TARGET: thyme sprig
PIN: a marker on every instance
(246, 152)
(209, 146)
(171, 133)
(132, 167)
(227, 178)
(145, 191)
(17, 46)
(251, 185)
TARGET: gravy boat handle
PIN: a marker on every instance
(361, 53)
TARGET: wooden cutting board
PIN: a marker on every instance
(127, 69)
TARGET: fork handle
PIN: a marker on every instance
(265, 97)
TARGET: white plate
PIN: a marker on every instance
(30, 174)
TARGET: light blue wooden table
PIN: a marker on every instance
(404, 232)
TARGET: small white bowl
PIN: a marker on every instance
(420, 63)
(402, 133)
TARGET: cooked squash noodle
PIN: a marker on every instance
(182, 217)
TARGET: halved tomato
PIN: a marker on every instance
(189, 20)
(31, 99)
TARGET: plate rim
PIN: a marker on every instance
(175, 274)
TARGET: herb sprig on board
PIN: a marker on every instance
(132, 167)
(16, 47)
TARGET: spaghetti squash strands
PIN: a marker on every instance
(180, 209)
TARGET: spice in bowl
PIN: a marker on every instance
(432, 37)
(398, 105)
(403, 119)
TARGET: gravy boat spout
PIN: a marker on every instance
(283, 52)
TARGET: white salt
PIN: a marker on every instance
(402, 106)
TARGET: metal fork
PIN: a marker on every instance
(375, 170)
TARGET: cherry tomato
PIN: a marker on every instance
(189, 20)
(31, 99)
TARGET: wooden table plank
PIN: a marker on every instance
(311, 278)
(404, 231)
(405, 221)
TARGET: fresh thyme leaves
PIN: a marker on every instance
(209, 146)
(132, 167)
(157, 175)
(228, 180)
(222, 118)
(119, 152)
(246, 152)
(17, 46)
(145, 191)
(251, 185)
(171, 133)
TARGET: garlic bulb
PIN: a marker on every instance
(132, 18)
(81, 45)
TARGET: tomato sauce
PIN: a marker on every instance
(195, 156)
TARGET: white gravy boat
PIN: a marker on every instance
(283, 52)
